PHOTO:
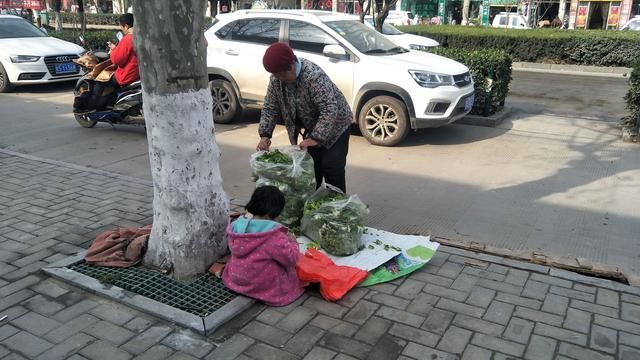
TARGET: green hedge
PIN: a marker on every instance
(93, 19)
(94, 40)
(632, 120)
(98, 19)
(491, 71)
(582, 47)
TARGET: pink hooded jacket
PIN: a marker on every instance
(263, 266)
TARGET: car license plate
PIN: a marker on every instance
(65, 68)
(468, 102)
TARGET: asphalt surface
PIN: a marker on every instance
(585, 97)
(553, 177)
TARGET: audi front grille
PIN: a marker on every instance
(51, 62)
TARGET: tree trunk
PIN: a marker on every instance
(466, 7)
(213, 6)
(190, 208)
(57, 6)
(83, 19)
(382, 11)
(365, 7)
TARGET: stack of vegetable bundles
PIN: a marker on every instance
(335, 220)
(291, 170)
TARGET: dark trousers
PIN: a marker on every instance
(330, 163)
(105, 93)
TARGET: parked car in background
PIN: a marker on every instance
(390, 89)
(510, 20)
(409, 41)
(29, 56)
(397, 17)
(633, 24)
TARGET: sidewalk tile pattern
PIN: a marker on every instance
(460, 306)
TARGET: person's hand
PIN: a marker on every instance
(111, 45)
(307, 143)
(263, 144)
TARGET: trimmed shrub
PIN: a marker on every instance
(94, 40)
(632, 121)
(92, 19)
(491, 71)
(582, 47)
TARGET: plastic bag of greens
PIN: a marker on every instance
(288, 164)
(335, 220)
(290, 169)
(294, 201)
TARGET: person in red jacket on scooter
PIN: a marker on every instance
(123, 55)
(124, 58)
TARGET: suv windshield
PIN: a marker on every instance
(18, 28)
(386, 28)
(365, 39)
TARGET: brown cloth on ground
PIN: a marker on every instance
(119, 248)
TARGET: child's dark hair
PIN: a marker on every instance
(266, 201)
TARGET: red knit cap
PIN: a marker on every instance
(278, 58)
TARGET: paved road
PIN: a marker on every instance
(586, 97)
(562, 184)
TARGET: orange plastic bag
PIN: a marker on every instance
(335, 280)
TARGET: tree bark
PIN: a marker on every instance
(190, 208)
(365, 7)
(213, 6)
(382, 11)
(466, 7)
(83, 19)
(57, 6)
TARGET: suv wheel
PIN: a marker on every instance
(225, 102)
(384, 121)
(5, 85)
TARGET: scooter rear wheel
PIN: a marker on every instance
(84, 121)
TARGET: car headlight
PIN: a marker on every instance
(431, 80)
(418, 47)
(24, 58)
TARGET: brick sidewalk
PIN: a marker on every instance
(461, 305)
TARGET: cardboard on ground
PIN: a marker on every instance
(415, 247)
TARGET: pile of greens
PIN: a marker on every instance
(291, 171)
(335, 221)
(275, 157)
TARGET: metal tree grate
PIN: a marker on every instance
(200, 297)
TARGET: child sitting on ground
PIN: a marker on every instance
(263, 253)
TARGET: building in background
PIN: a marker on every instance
(599, 14)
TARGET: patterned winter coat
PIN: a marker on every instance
(263, 262)
(313, 102)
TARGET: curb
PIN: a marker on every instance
(489, 121)
(567, 69)
(203, 325)
(574, 269)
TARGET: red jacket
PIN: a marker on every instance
(126, 60)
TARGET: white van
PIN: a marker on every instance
(510, 20)
(397, 17)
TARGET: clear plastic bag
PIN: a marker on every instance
(296, 180)
(335, 220)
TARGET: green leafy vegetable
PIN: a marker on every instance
(275, 157)
(292, 172)
(335, 221)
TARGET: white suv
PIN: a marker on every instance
(390, 89)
